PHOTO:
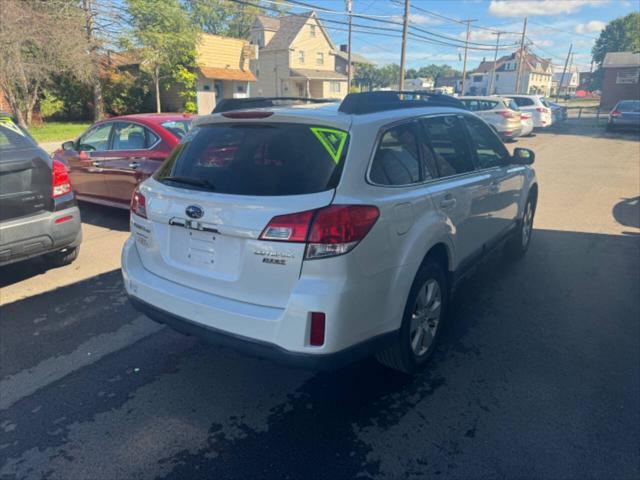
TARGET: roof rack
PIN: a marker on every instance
(370, 102)
(229, 104)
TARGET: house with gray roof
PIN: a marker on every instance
(297, 58)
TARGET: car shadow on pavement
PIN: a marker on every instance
(627, 212)
(105, 217)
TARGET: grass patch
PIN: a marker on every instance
(58, 131)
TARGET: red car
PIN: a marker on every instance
(111, 158)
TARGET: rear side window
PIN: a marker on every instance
(12, 137)
(131, 136)
(260, 159)
(629, 106)
(178, 128)
(446, 145)
(397, 161)
(96, 139)
(523, 102)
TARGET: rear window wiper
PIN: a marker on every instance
(196, 182)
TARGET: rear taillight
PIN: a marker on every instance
(616, 113)
(525, 116)
(60, 179)
(139, 204)
(506, 114)
(542, 110)
(289, 228)
(329, 231)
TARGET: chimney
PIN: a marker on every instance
(343, 48)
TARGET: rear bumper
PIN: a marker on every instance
(624, 122)
(28, 237)
(260, 349)
(276, 333)
(510, 134)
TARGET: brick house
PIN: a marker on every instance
(621, 79)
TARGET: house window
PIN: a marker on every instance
(312, 30)
(628, 77)
(301, 56)
(319, 58)
(335, 87)
(477, 78)
(497, 76)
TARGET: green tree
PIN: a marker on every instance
(225, 17)
(620, 35)
(434, 71)
(166, 39)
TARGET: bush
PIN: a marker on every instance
(126, 93)
(50, 105)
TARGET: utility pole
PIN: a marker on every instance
(349, 66)
(403, 53)
(493, 68)
(466, 46)
(564, 70)
(521, 56)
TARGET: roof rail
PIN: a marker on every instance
(370, 102)
(229, 104)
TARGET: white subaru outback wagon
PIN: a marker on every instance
(323, 233)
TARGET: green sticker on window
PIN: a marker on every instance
(332, 140)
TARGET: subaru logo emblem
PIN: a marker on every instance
(194, 211)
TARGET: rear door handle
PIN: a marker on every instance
(96, 163)
(494, 187)
(448, 202)
(134, 165)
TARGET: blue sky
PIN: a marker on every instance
(553, 26)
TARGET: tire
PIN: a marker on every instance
(409, 354)
(519, 243)
(63, 257)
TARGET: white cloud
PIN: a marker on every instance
(520, 8)
(594, 26)
(544, 43)
(416, 19)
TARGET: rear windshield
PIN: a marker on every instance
(510, 103)
(12, 137)
(629, 106)
(179, 128)
(257, 159)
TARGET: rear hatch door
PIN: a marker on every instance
(25, 173)
(209, 203)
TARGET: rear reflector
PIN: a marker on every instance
(139, 204)
(616, 113)
(60, 179)
(316, 333)
(247, 114)
(66, 218)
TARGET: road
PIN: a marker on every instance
(537, 375)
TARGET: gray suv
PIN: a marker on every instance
(38, 210)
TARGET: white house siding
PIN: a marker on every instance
(271, 68)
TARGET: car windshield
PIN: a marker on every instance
(629, 106)
(179, 128)
(258, 159)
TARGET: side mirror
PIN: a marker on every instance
(69, 145)
(523, 156)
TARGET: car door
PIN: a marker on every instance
(85, 161)
(461, 191)
(507, 180)
(131, 159)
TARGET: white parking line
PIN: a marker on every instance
(27, 382)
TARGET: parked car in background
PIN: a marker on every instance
(113, 156)
(560, 112)
(536, 106)
(276, 231)
(38, 210)
(626, 114)
(497, 113)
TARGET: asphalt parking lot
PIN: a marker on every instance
(537, 375)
